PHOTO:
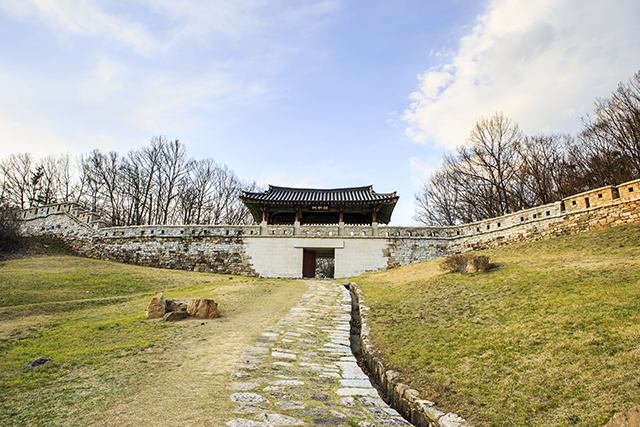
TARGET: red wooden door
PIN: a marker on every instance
(308, 263)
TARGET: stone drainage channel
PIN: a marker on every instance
(302, 371)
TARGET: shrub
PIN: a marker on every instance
(455, 263)
(465, 263)
(478, 264)
(10, 239)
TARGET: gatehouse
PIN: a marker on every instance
(297, 227)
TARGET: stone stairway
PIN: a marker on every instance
(301, 372)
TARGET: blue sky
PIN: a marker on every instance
(325, 94)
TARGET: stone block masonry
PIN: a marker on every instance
(222, 255)
(301, 371)
(277, 251)
(212, 249)
(421, 413)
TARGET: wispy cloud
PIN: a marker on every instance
(240, 19)
(152, 27)
(542, 63)
(86, 18)
(421, 169)
(148, 66)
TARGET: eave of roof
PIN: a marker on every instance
(277, 194)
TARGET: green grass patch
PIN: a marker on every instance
(549, 336)
(89, 317)
(66, 278)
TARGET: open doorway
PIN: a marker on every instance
(318, 263)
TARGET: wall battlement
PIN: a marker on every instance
(277, 251)
(74, 210)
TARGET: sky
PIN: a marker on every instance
(305, 93)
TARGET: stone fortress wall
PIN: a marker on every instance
(276, 251)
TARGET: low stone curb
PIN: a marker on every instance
(400, 397)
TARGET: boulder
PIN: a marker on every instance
(176, 305)
(38, 362)
(630, 418)
(175, 315)
(157, 307)
(203, 308)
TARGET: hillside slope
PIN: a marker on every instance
(550, 336)
(111, 365)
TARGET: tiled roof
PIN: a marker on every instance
(336, 195)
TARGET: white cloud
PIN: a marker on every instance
(105, 80)
(421, 170)
(541, 63)
(164, 99)
(21, 137)
(194, 62)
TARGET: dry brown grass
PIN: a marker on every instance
(189, 382)
(465, 263)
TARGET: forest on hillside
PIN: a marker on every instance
(156, 184)
(500, 170)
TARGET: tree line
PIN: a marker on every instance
(156, 184)
(501, 170)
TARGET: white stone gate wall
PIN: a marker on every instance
(274, 256)
(361, 255)
(282, 256)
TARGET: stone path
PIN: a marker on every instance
(301, 372)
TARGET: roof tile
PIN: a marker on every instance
(285, 194)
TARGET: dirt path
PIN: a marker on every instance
(191, 380)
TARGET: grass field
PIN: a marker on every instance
(549, 337)
(111, 365)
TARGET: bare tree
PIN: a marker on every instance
(156, 184)
(49, 181)
(140, 168)
(197, 191)
(500, 171)
(544, 175)
(492, 161)
(90, 186)
(611, 137)
(104, 175)
(211, 195)
(66, 186)
(439, 202)
(237, 213)
(17, 171)
(479, 180)
(174, 167)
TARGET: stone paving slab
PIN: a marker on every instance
(301, 372)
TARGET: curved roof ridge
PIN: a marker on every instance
(324, 190)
